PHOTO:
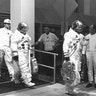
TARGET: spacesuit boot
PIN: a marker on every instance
(15, 80)
(27, 80)
(29, 84)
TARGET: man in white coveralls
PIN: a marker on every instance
(90, 44)
(5, 41)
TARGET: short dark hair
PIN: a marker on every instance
(47, 28)
(94, 26)
(85, 30)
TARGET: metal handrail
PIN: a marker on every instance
(54, 67)
(44, 52)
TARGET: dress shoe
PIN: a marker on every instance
(89, 85)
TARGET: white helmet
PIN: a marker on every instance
(23, 27)
(8, 21)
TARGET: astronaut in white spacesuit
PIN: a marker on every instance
(72, 47)
(20, 50)
(5, 41)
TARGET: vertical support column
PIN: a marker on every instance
(23, 10)
(87, 7)
(63, 23)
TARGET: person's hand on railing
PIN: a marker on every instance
(31, 47)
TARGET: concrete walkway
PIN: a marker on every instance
(52, 90)
(88, 91)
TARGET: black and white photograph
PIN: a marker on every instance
(47, 47)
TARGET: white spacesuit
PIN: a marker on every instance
(72, 48)
(20, 49)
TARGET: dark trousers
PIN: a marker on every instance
(84, 70)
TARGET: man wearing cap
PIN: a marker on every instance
(5, 38)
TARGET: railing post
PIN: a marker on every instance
(54, 77)
(54, 67)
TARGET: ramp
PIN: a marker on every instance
(46, 90)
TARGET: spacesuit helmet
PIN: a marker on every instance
(77, 25)
(23, 27)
